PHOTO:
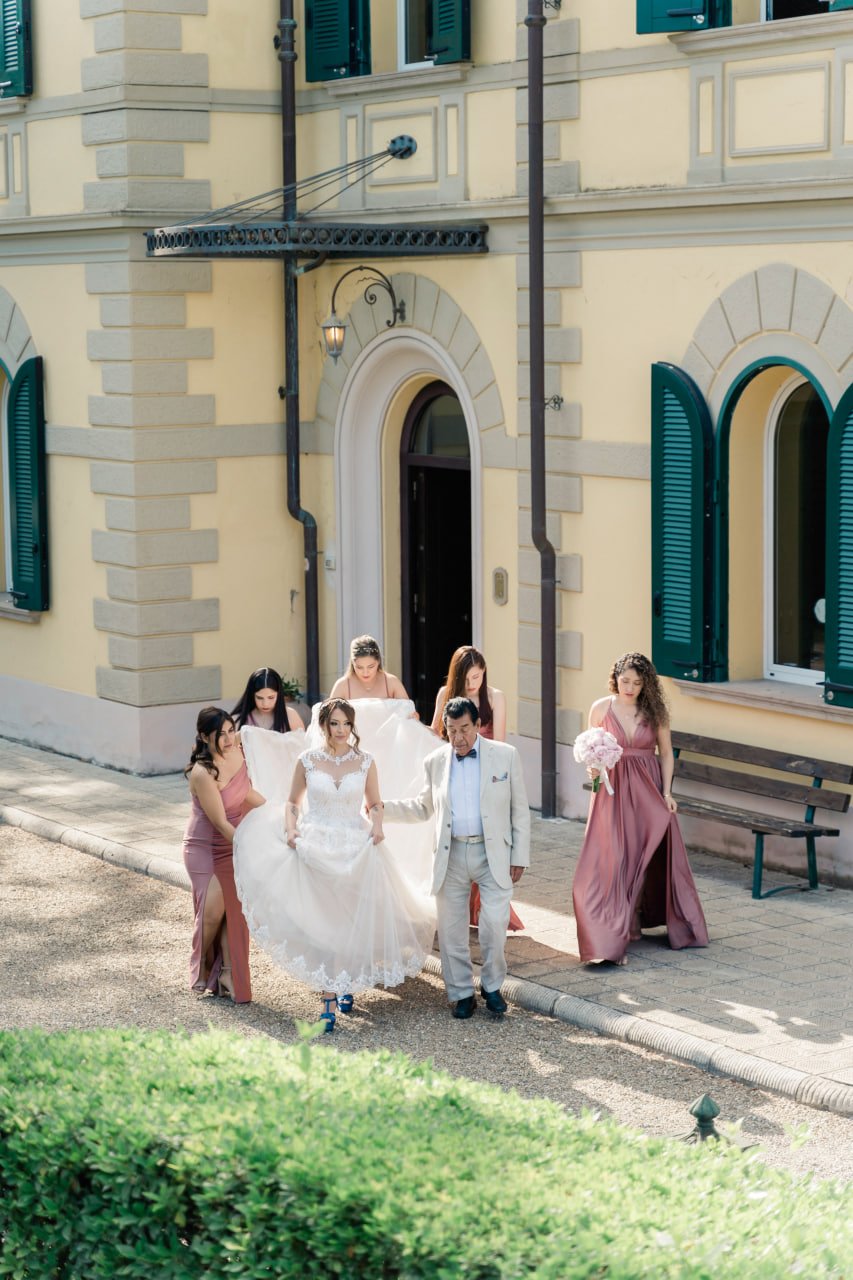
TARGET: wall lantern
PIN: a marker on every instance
(335, 329)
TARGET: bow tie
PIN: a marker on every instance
(471, 755)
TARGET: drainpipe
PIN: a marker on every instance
(535, 23)
(287, 59)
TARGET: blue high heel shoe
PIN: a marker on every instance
(327, 1016)
(345, 1004)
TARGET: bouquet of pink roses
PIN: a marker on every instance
(598, 749)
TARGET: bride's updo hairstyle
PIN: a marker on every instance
(325, 713)
(651, 703)
(363, 647)
(210, 720)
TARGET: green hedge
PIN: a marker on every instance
(126, 1154)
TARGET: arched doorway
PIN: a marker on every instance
(435, 508)
(796, 478)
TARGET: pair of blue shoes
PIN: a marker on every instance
(344, 1004)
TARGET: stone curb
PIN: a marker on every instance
(707, 1055)
(119, 855)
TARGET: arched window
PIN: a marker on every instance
(795, 543)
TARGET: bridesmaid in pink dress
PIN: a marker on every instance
(467, 677)
(221, 796)
(633, 872)
(264, 705)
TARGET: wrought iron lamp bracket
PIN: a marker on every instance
(375, 280)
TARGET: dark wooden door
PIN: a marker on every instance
(436, 542)
(440, 577)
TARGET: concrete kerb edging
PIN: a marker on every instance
(119, 855)
(812, 1091)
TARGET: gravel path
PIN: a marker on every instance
(85, 944)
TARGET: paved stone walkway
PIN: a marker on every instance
(769, 1002)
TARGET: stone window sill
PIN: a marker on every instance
(410, 79)
(754, 38)
(770, 695)
(8, 610)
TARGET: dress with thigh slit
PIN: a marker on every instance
(208, 854)
(633, 871)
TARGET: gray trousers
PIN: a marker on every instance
(469, 865)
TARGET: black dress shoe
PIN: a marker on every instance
(495, 1002)
(465, 1007)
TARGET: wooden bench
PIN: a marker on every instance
(800, 784)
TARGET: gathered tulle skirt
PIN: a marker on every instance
(336, 912)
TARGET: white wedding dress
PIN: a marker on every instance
(338, 912)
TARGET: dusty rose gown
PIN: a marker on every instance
(633, 871)
(207, 853)
(515, 921)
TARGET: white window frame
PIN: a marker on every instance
(772, 670)
(402, 64)
(767, 5)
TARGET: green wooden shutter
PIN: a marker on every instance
(449, 31)
(28, 487)
(16, 53)
(840, 4)
(337, 39)
(682, 15)
(682, 544)
(839, 555)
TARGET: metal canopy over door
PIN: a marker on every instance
(435, 505)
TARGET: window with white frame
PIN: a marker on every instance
(795, 534)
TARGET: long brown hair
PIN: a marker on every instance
(466, 657)
(210, 720)
(651, 703)
(338, 704)
(363, 647)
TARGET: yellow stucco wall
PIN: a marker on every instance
(63, 648)
(242, 158)
(240, 52)
(58, 312)
(61, 39)
(500, 550)
(491, 170)
(633, 131)
(58, 165)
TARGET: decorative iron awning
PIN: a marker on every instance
(313, 239)
(268, 225)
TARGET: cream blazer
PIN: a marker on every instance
(503, 808)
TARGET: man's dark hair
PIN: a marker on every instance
(456, 708)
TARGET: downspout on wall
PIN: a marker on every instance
(287, 59)
(535, 23)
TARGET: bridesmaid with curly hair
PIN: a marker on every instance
(633, 872)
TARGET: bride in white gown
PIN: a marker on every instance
(323, 894)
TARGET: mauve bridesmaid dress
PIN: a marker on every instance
(633, 871)
(207, 853)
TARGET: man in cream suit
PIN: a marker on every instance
(482, 836)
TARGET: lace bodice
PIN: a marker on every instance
(335, 789)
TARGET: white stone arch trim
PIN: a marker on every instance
(777, 311)
(16, 343)
(430, 312)
(439, 341)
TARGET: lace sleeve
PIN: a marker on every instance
(307, 761)
(366, 761)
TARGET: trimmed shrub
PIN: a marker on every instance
(131, 1154)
